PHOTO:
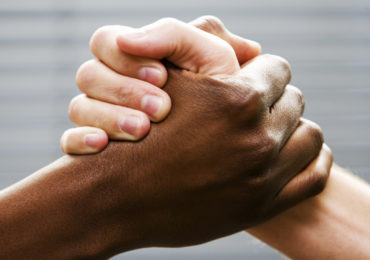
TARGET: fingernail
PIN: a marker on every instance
(129, 124)
(151, 75)
(91, 140)
(151, 104)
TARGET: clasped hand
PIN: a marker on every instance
(231, 152)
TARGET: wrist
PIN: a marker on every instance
(63, 212)
(324, 226)
(93, 197)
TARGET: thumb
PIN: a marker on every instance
(244, 49)
(182, 44)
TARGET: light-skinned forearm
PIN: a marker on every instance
(333, 225)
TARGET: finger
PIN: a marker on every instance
(284, 115)
(310, 182)
(99, 82)
(83, 140)
(302, 148)
(103, 45)
(120, 123)
(244, 49)
(182, 44)
(270, 73)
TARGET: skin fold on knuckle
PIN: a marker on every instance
(126, 94)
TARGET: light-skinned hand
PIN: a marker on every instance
(121, 87)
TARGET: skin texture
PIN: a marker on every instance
(318, 228)
(113, 85)
(184, 184)
(333, 225)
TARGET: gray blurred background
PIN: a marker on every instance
(42, 43)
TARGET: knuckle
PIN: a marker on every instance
(268, 147)
(170, 22)
(315, 133)
(86, 75)
(210, 24)
(245, 98)
(298, 96)
(98, 38)
(253, 101)
(125, 94)
(280, 63)
(254, 95)
(278, 60)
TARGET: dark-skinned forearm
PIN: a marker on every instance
(57, 213)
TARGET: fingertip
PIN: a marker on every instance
(83, 140)
(70, 140)
(62, 142)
